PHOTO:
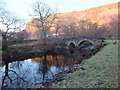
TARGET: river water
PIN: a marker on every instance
(28, 72)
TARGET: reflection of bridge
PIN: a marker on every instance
(76, 42)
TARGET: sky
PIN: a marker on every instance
(23, 8)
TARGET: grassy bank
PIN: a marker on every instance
(100, 71)
(25, 50)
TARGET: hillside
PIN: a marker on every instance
(101, 15)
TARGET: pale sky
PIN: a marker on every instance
(22, 8)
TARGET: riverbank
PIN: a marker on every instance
(25, 50)
(22, 51)
(100, 71)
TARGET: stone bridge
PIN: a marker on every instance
(76, 42)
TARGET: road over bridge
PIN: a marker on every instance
(77, 42)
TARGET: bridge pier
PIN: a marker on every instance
(81, 43)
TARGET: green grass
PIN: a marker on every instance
(101, 71)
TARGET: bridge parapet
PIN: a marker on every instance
(77, 41)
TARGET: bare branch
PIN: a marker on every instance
(9, 22)
(46, 16)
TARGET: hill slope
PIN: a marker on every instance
(101, 15)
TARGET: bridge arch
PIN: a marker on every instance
(85, 43)
(72, 44)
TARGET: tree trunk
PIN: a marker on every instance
(5, 44)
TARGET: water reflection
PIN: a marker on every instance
(24, 74)
(19, 74)
(58, 61)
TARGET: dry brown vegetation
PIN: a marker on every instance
(93, 22)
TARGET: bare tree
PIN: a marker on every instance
(9, 25)
(58, 25)
(68, 26)
(46, 17)
(87, 28)
(113, 26)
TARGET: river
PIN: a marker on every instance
(30, 71)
